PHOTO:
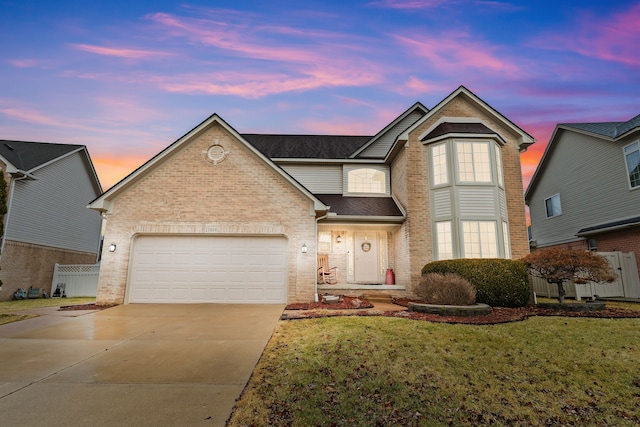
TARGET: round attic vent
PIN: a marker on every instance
(216, 153)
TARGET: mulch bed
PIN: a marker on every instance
(90, 306)
(497, 315)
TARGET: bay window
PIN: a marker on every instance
(469, 209)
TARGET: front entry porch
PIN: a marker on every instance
(359, 257)
(354, 289)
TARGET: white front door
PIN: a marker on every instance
(366, 257)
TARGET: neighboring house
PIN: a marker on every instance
(585, 192)
(47, 222)
(220, 216)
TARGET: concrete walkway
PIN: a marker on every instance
(131, 365)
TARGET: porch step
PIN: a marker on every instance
(378, 297)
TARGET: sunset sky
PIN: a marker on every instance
(126, 79)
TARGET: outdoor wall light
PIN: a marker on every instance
(339, 239)
(304, 248)
(112, 247)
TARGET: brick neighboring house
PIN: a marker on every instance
(220, 216)
(585, 192)
(47, 222)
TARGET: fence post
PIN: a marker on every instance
(55, 278)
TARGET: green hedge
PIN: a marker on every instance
(498, 282)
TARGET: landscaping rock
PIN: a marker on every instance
(451, 310)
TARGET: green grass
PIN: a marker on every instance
(10, 318)
(8, 308)
(367, 371)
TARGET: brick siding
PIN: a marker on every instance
(186, 194)
(25, 264)
(417, 228)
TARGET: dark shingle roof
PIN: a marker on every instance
(609, 129)
(445, 128)
(306, 146)
(360, 206)
(29, 155)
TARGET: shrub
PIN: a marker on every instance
(498, 282)
(446, 289)
(558, 265)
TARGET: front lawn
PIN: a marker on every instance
(368, 371)
(8, 308)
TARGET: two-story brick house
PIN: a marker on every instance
(220, 216)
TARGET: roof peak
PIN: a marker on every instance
(610, 129)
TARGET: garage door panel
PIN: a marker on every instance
(208, 269)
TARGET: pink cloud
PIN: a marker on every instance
(23, 63)
(455, 51)
(234, 38)
(33, 117)
(120, 52)
(354, 101)
(417, 86)
(256, 85)
(614, 38)
(410, 4)
(432, 4)
(29, 116)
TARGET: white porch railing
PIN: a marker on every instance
(79, 280)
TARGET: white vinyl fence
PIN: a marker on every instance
(79, 280)
(627, 285)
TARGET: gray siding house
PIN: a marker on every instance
(47, 222)
(585, 192)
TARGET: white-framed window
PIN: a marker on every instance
(507, 239)
(499, 166)
(324, 242)
(553, 206)
(366, 180)
(439, 164)
(632, 159)
(474, 164)
(444, 240)
(479, 239)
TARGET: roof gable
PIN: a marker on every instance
(380, 145)
(604, 131)
(613, 130)
(103, 203)
(524, 139)
(27, 156)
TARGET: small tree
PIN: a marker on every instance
(560, 265)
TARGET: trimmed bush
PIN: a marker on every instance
(498, 282)
(446, 289)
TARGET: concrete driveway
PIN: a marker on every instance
(133, 365)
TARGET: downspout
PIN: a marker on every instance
(316, 298)
(24, 175)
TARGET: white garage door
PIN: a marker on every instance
(192, 269)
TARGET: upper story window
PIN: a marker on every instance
(439, 164)
(499, 166)
(474, 164)
(554, 208)
(366, 180)
(632, 157)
